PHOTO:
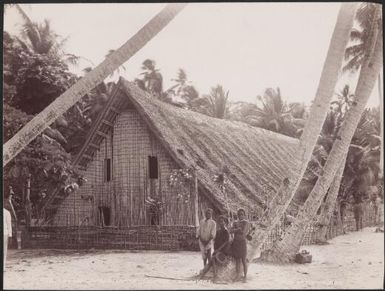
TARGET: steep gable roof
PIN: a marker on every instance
(257, 159)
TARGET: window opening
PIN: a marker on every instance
(107, 170)
(153, 167)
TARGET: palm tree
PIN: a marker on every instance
(39, 38)
(363, 165)
(121, 68)
(20, 10)
(311, 131)
(181, 82)
(152, 79)
(319, 156)
(360, 37)
(355, 178)
(183, 89)
(217, 102)
(330, 202)
(345, 100)
(93, 78)
(356, 52)
(285, 250)
(276, 115)
(214, 104)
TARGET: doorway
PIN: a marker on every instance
(105, 215)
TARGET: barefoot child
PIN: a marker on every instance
(239, 246)
(206, 234)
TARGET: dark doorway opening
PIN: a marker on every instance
(105, 215)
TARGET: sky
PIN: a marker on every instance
(246, 47)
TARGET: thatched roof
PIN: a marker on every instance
(257, 159)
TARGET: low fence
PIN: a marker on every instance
(134, 238)
(171, 238)
(370, 218)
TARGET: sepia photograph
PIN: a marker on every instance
(193, 146)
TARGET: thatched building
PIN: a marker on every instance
(136, 145)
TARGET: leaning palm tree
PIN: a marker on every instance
(318, 111)
(330, 203)
(355, 53)
(329, 134)
(285, 249)
(89, 81)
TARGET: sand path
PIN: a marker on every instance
(355, 260)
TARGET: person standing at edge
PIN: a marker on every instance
(7, 228)
(206, 234)
(239, 245)
(358, 213)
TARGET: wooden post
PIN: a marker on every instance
(73, 195)
(196, 205)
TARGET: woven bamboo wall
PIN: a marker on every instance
(133, 238)
(129, 145)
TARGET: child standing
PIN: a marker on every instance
(239, 245)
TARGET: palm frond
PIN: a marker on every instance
(182, 76)
(354, 50)
(22, 13)
(353, 64)
(365, 14)
(72, 59)
(356, 35)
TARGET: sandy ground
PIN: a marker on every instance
(355, 260)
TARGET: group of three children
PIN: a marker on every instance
(218, 239)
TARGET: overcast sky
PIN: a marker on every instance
(246, 47)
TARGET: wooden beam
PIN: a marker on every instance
(105, 135)
(106, 122)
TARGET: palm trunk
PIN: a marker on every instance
(330, 203)
(285, 250)
(313, 126)
(89, 81)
